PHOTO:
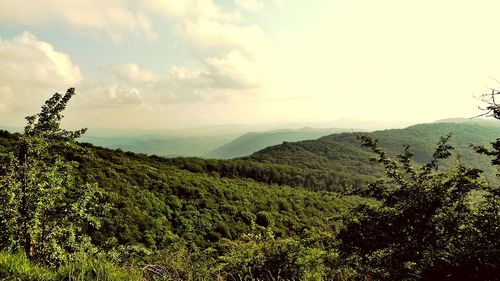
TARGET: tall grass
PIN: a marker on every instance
(18, 267)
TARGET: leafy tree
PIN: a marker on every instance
(42, 210)
(432, 225)
(492, 109)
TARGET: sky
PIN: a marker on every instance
(163, 64)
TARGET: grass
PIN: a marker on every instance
(18, 267)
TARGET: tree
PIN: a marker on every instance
(43, 212)
(431, 225)
(492, 109)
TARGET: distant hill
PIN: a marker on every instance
(343, 153)
(255, 141)
(478, 121)
(338, 162)
(162, 145)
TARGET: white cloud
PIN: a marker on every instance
(29, 66)
(207, 28)
(112, 17)
(94, 95)
(31, 70)
(222, 78)
(234, 71)
(185, 74)
(7, 98)
(133, 73)
(257, 5)
(29, 60)
(229, 49)
(207, 35)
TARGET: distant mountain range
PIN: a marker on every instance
(478, 121)
(220, 142)
(162, 145)
(227, 141)
(342, 152)
(338, 161)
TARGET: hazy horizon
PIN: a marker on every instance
(169, 65)
(236, 129)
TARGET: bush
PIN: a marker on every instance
(427, 228)
(262, 257)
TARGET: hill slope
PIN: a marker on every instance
(156, 201)
(157, 205)
(342, 152)
(338, 161)
(252, 142)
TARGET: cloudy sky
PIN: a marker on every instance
(179, 63)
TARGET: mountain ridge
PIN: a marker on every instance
(421, 138)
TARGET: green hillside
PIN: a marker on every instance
(155, 203)
(252, 142)
(342, 152)
(338, 162)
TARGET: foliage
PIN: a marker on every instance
(272, 173)
(156, 204)
(42, 213)
(263, 257)
(427, 228)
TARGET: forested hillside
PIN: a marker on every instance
(343, 150)
(155, 206)
(154, 201)
(337, 162)
(158, 200)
